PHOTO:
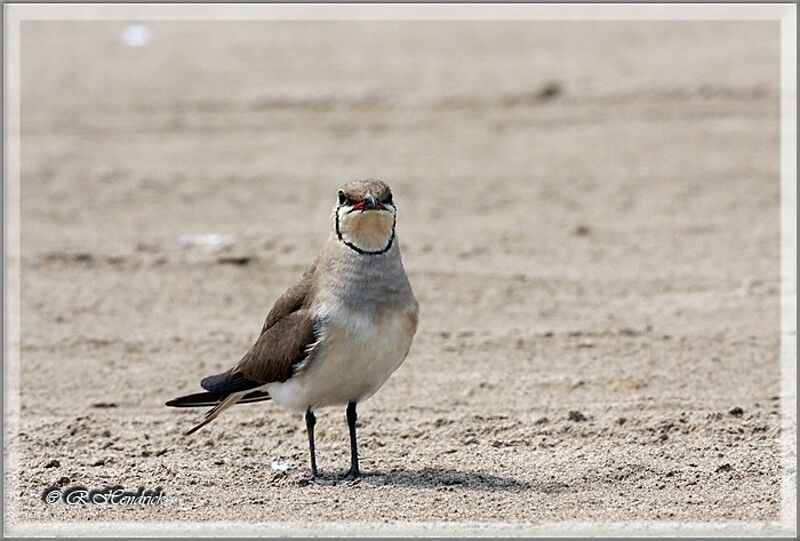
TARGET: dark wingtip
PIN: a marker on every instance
(228, 382)
(208, 381)
(195, 400)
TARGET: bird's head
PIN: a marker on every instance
(364, 216)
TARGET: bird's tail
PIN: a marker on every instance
(214, 412)
(219, 402)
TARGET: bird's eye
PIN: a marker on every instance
(342, 198)
(388, 199)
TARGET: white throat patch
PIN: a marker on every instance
(370, 231)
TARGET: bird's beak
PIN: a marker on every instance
(371, 203)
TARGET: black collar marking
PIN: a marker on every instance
(359, 250)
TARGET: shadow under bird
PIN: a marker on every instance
(336, 335)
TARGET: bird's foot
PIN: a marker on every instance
(311, 478)
(352, 475)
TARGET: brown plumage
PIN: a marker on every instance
(279, 349)
(295, 298)
(358, 190)
(284, 342)
(337, 334)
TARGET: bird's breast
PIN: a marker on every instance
(356, 354)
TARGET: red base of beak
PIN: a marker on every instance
(362, 207)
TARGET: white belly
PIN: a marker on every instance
(355, 358)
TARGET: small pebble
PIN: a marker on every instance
(576, 416)
(235, 260)
(550, 90)
(104, 405)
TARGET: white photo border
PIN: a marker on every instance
(786, 13)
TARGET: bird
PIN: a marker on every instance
(338, 333)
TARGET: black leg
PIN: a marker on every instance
(352, 416)
(310, 422)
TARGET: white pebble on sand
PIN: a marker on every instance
(280, 465)
(137, 35)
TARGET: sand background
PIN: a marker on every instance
(589, 216)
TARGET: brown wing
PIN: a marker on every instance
(293, 299)
(279, 348)
(285, 340)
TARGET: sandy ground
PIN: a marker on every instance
(589, 219)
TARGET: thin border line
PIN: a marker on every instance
(785, 12)
(788, 276)
(403, 11)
